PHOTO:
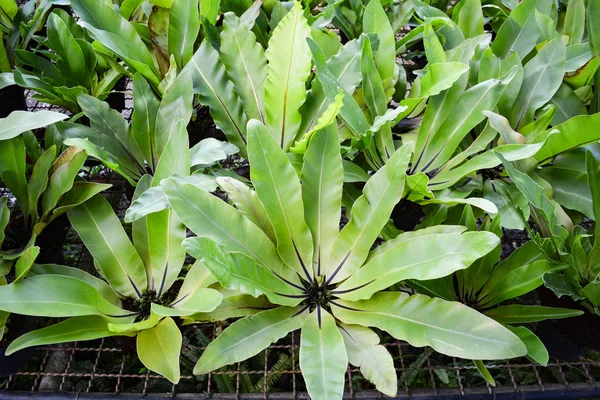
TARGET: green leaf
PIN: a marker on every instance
(98, 284)
(55, 296)
(593, 24)
(38, 181)
(517, 282)
(118, 35)
(145, 109)
(210, 217)
(114, 255)
(520, 32)
(18, 122)
(247, 202)
(543, 76)
(25, 262)
(249, 336)
(323, 358)
(217, 92)
(62, 176)
(450, 328)
(422, 257)
(440, 76)
(323, 177)
(327, 118)
(233, 306)
(571, 134)
(567, 103)
(246, 65)
(184, 26)
(470, 18)
(574, 23)
(344, 67)
(375, 362)
(289, 65)
(238, 272)
(524, 314)
(370, 213)
(159, 349)
(376, 21)
(4, 217)
(279, 189)
(73, 329)
(536, 350)
(209, 151)
(61, 40)
(79, 193)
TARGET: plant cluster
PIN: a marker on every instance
(377, 195)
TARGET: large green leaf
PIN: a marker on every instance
(217, 92)
(72, 57)
(159, 349)
(38, 181)
(524, 314)
(249, 336)
(289, 64)
(323, 358)
(79, 193)
(420, 257)
(536, 350)
(118, 35)
(18, 122)
(375, 362)
(203, 300)
(450, 328)
(145, 109)
(543, 76)
(56, 296)
(470, 18)
(246, 64)
(279, 189)
(376, 21)
(73, 329)
(370, 213)
(102, 233)
(323, 177)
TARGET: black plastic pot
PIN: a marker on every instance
(12, 98)
(567, 339)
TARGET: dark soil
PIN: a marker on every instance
(16, 325)
(12, 98)
(116, 101)
(406, 215)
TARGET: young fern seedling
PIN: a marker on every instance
(283, 241)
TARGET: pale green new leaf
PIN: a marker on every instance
(450, 328)
(470, 18)
(323, 358)
(203, 300)
(159, 349)
(249, 336)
